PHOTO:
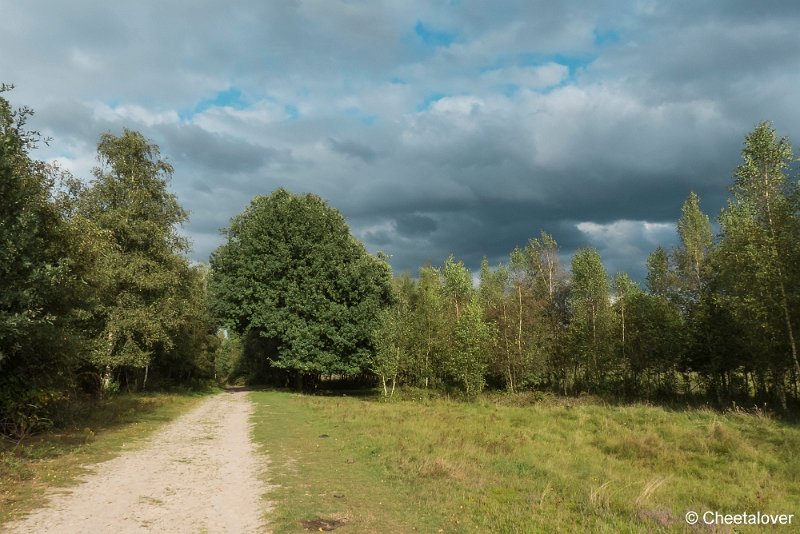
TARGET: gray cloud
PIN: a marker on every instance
(192, 145)
(415, 224)
(590, 121)
(352, 149)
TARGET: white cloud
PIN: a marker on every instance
(624, 244)
(132, 113)
(537, 77)
(84, 60)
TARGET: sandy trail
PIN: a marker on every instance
(198, 474)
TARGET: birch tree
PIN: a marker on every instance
(759, 250)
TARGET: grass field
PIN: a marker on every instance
(98, 432)
(360, 465)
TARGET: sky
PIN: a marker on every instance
(459, 127)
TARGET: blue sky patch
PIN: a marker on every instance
(572, 62)
(604, 38)
(291, 111)
(433, 38)
(228, 98)
(430, 99)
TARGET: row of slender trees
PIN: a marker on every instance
(717, 318)
(96, 292)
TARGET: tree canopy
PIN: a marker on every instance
(292, 275)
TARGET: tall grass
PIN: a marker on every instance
(490, 467)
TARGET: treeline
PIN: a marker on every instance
(97, 295)
(716, 321)
(96, 292)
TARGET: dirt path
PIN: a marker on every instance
(198, 474)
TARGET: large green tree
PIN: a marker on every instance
(142, 276)
(293, 275)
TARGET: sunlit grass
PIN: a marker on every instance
(97, 432)
(485, 466)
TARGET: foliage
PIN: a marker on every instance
(228, 357)
(759, 253)
(392, 339)
(96, 288)
(141, 275)
(40, 289)
(292, 274)
(97, 295)
(694, 229)
(591, 319)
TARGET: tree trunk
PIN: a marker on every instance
(780, 388)
(508, 349)
(622, 308)
(519, 327)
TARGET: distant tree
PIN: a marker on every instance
(660, 278)
(467, 360)
(520, 309)
(694, 229)
(393, 337)
(548, 288)
(545, 266)
(654, 332)
(625, 291)
(591, 319)
(492, 295)
(228, 357)
(291, 274)
(457, 284)
(467, 335)
(195, 341)
(430, 328)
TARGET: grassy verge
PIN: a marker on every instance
(440, 466)
(99, 431)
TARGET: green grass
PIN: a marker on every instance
(96, 432)
(439, 465)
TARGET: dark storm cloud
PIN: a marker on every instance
(352, 149)
(415, 224)
(197, 147)
(592, 121)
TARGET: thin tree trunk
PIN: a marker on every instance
(519, 328)
(508, 349)
(622, 308)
